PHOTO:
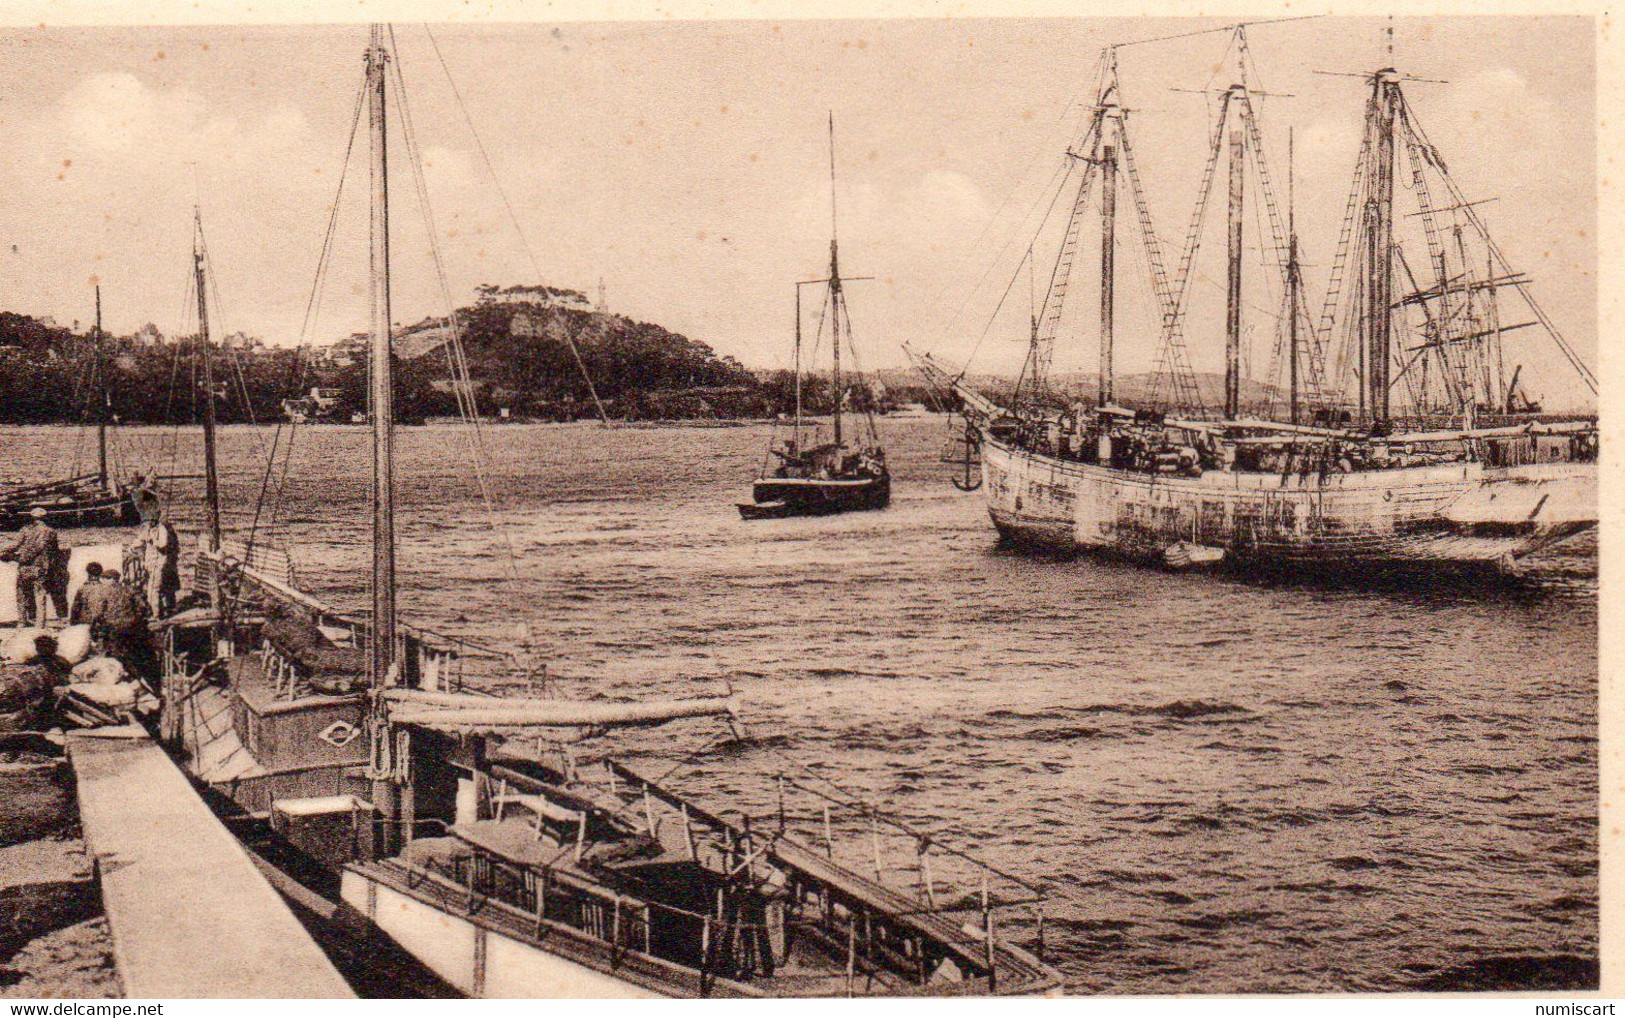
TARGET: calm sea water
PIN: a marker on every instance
(1225, 786)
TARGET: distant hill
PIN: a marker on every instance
(519, 356)
(516, 340)
(517, 343)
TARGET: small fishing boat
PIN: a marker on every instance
(503, 842)
(85, 500)
(1188, 556)
(89, 500)
(813, 474)
(823, 492)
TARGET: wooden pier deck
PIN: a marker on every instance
(191, 915)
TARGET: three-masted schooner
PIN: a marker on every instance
(393, 799)
(1470, 475)
(809, 475)
(85, 500)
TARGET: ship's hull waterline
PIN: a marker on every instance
(1458, 516)
(777, 497)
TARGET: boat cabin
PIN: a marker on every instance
(514, 872)
(575, 868)
(828, 461)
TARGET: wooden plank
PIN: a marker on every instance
(190, 914)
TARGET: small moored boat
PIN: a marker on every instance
(84, 500)
(1185, 556)
(813, 477)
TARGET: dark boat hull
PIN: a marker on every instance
(779, 497)
(78, 510)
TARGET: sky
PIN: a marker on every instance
(686, 165)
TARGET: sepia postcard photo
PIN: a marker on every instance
(912, 503)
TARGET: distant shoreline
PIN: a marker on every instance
(494, 422)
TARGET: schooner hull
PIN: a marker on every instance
(1457, 515)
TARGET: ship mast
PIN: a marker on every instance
(1380, 251)
(835, 297)
(1032, 312)
(211, 478)
(798, 369)
(1108, 263)
(381, 375)
(101, 411)
(1232, 321)
(1294, 284)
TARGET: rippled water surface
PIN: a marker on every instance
(1225, 786)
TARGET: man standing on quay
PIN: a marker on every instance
(160, 558)
(35, 549)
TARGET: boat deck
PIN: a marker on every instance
(191, 915)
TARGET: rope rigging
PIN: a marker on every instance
(1520, 284)
(1061, 173)
(268, 514)
(1458, 366)
(1035, 371)
(462, 381)
(524, 242)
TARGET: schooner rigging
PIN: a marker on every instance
(1405, 441)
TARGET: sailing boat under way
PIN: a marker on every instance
(1405, 442)
(815, 474)
(86, 500)
(498, 840)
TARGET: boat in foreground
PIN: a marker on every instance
(426, 813)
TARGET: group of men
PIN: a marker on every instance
(117, 615)
(117, 612)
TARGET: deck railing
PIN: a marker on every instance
(430, 660)
(824, 837)
(878, 891)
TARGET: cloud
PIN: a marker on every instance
(1496, 80)
(282, 127)
(1330, 140)
(114, 113)
(942, 203)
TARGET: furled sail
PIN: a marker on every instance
(469, 711)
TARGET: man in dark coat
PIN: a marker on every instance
(25, 695)
(123, 624)
(56, 583)
(88, 602)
